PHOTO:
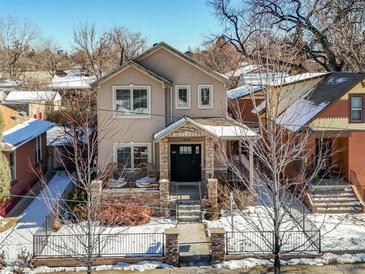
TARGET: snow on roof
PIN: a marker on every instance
(33, 96)
(7, 83)
(243, 69)
(242, 91)
(58, 136)
(297, 78)
(218, 127)
(72, 81)
(299, 113)
(26, 131)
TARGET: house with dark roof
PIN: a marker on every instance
(24, 145)
(334, 111)
(167, 112)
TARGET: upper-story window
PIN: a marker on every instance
(205, 96)
(38, 149)
(356, 107)
(182, 95)
(132, 101)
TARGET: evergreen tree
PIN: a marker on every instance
(5, 175)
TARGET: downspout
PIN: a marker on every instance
(171, 118)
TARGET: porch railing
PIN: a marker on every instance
(360, 189)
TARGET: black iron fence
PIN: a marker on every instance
(99, 245)
(262, 242)
(189, 190)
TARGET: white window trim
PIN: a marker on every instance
(14, 166)
(38, 140)
(211, 95)
(131, 145)
(133, 116)
(177, 87)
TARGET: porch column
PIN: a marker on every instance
(209, 158)
(250, 156)
(164, 160)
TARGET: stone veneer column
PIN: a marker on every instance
(164, 197)
(209, 158)
(164, 159)
(212, 186)
(172, 246)
(96, 188)
(217, 238)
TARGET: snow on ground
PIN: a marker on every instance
(327, 258)
(338, 231)
(341, 231)
(140, 266)
(21, 236)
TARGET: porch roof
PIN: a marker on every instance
(222, 127)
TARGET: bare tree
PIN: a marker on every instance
(126, 44)
(281, 169)
(16, 38)
(94, 47)
(312, 23)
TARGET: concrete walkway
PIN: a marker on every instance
(193, 245)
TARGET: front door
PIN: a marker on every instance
(186, 163)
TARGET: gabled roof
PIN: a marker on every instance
(185, 57)
(306, 108)
(25, 131)
(226, 128)
(33, 96)
(138, 67)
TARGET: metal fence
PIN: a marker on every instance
(262, 242)
(99, 245)
(189, 190)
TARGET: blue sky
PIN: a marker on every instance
(181, 23)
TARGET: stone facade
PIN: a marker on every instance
(164, 159)
(209, 158)
(172, 246)
(212, 186)
(164, 197)
(217, 238)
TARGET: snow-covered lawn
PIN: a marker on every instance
(327, 258)
(338, 231)
(21, 236)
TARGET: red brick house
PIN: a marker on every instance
(25, 146)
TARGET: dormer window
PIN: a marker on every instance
(182, 95)
(356, 108)
(205, 96)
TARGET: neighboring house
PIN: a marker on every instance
(35, 103)
(71, 80)
(168, 112)
(245, 101)
(333, 108)
(24, 145)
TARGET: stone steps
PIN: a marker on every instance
(188, 212)
(336, 198)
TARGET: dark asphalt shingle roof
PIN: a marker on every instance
(335, 85)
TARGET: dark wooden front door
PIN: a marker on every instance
(324, 154)
(186, 163)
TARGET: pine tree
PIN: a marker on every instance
(5, 175)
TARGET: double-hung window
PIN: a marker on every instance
(182, 95)
(132, 101)
(205, 96)
(38, 149)
(132, 156)
(356, 108)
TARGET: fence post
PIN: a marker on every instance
(99, 248)
(172, 246)
(217, 236)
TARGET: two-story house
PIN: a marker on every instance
(331, 106)
(164, 109)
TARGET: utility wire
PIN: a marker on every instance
(128, 113)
